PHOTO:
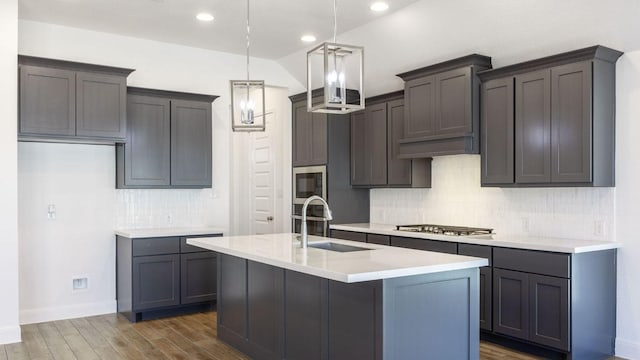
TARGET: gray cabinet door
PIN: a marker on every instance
(156, 281)
(571, 125)
(305, 317)
(453, 102)
(420, 100)
(398, 170)
(190, 143)
(497, 124)
(360, 157)
(376, 127)
(309, 136)
(301, 134)
(533, 127)
(511, 303)
(265, 311)
(147, 151)
(549, 310)
(101, 105)
(198, 277)
(47, 101)
(486, 292)
(232, 299)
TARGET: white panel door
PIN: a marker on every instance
(263, 188)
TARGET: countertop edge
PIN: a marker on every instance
(162, 232)
(346, 278)
(596, 246)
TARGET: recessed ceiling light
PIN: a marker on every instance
(379, 6)
(204, 17)
(308, 38)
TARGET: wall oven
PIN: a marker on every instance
(308, 181)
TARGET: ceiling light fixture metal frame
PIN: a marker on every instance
(248, 98)
(335, 58)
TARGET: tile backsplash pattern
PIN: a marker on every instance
(456, 198)
(148, 208)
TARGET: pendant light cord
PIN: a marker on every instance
(248, 39)
(335, 20)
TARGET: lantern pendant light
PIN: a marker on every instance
(338, 69)
(247, 98)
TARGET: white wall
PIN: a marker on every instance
(75, 245)
(627, 209)
(9, 329)
(430, 31)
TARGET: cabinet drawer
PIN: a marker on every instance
(186, 248)
(378, 239)
(349, 235)
(425, 244)
(156, 246)
(480, 251)
(538, 262)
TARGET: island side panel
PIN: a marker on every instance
(265, 311)
(232, 300)
(434, 315)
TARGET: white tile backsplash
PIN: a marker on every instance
(162, 208)
(456, 198)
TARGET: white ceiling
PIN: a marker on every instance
(276, 25)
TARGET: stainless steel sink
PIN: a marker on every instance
(331, 246)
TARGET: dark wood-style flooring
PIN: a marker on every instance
(111, 337)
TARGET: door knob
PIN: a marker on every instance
(269, 218)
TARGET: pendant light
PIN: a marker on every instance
(338, 69)
(247, 98)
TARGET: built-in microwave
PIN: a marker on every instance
(309, 181)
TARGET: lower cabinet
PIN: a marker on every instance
(163, 276)
(557, 302)
(532, 307)
(319, 318)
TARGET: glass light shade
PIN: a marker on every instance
(338, 69)
(247, 105)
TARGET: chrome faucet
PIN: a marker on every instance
(303, 229)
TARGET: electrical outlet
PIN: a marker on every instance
(51, 212)
(80, 283)
(599, 228)
(525, 225)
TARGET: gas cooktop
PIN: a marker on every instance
(444, 229)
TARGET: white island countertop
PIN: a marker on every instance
(570, 246)
(381, 262)
(162, 232)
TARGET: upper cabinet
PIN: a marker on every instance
(551, 121)
(71, 102)
(168, 143)
(309, 136)
(442, 108)
(375, 132)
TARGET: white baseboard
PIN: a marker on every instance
(10, 335)
(32, 316)
(627, 349)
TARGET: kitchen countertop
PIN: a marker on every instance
(161, 232)
(382, 262)
(570, 246)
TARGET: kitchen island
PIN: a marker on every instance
(277, 300)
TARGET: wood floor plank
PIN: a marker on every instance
(36, 345)
(80, 347)
(17, 351)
